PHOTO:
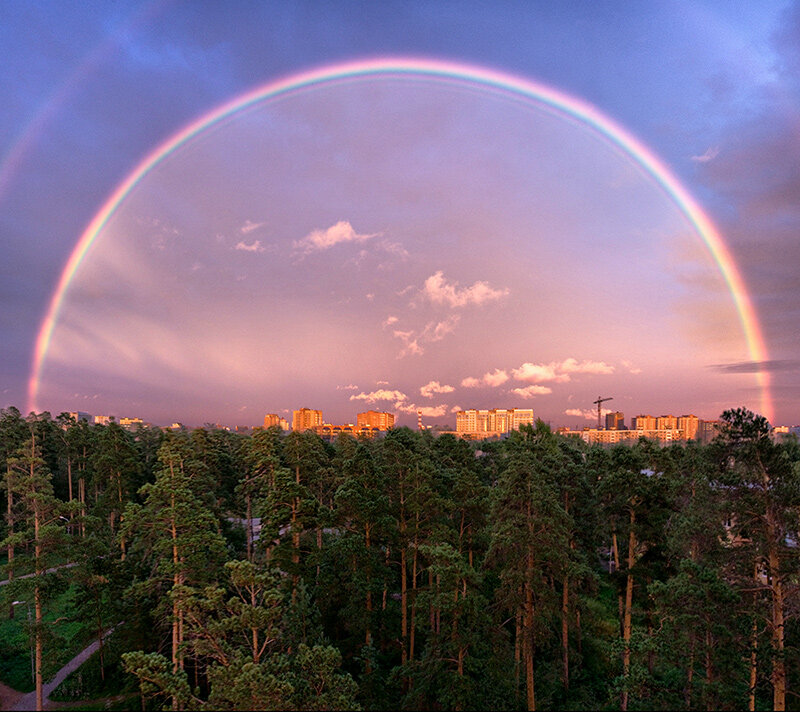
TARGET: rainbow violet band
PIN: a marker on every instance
(554, 100)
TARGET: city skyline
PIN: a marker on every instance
(404, 221)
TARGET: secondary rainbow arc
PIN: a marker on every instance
(480, 77)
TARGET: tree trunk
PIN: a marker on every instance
(565, 631)
(626, 620)
(528, 643)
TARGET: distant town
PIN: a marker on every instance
(476, 424)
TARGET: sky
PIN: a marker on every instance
(399, 241)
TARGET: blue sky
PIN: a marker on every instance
(593, 276)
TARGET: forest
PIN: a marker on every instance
(278, 571)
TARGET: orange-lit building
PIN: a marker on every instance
(375, 419)
(495, 422)
(306, 419)
(271, 419)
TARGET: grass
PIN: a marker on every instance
(65, 638)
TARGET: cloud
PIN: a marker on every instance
(439, 291)
(559, 372)
(536, 372)
(336, 234)
(382, 383)
(254, 247)
(432, 387)
(348, 387)
(586, 413)
(389, 321)
(380, 395)
(456, 408)
(410, 344)
(710, 154)
(571, 365)
(491, 378)
(249, 226)
(756, 366)
(531, 391)
(631, 368)
(495, 378)
(428, 411)
(433, 331)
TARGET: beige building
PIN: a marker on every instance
(306, 419)
(375, 419)
(644, 422)
(271, 419)
(689, 424)
(615, 421)
(666, 422)
(497, 421)
(131, 423)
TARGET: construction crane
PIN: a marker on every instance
(597, 403)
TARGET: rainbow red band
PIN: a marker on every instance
(479, 77)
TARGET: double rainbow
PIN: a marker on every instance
(476, 77)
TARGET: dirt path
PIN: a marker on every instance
(8, 697)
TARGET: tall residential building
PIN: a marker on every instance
(103, 419)
(375, 419)
(306, 419)
(689, 424)
(271, 419)
(615, 421)
(80, 415)
(666, 422)
(707, 430)
(644, 422)
(492, 422)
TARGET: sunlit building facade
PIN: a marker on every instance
(375, 419)
(306, 419)
(273, 419)
(495, 422)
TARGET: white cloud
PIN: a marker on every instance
(491, 378)
(536, 372)
(348, 387)
(382, 383)
(253, 247)
(380, 395)
(389, 321)
(531, 391)
(571, 365)
(249, 226)
(559, 372)
(428, 411)
(342, 231)
(432, 387)
(495, 378)
(439, 291)
(456, 408)
(586, 413)
(711, 153)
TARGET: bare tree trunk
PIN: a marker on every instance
(528, 643)
(626, 620)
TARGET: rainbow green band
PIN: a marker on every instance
(559, 101)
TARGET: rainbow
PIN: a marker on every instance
(516, 87)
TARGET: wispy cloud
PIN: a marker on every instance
(380, 395)
(531, 391)
(389, 320)
(433, 331)
(635, 370)
(710, 154)
(439, 291)
(432, 387)
(348, 387)
(491, 378)
(249, 226)
(756, 366)
(252, 247)
(336, 234)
